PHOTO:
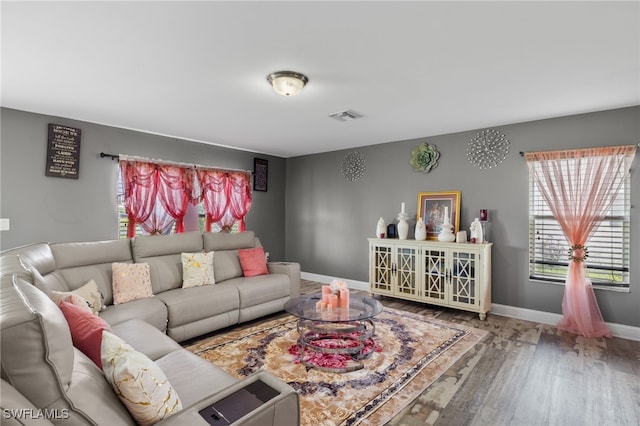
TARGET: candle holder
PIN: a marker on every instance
(484, 220)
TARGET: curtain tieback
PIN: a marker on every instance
(578, 253)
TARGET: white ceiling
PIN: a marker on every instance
(197, 70)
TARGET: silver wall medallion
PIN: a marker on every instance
(353, 166)
(487, 149)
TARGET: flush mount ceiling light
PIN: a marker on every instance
(287, 83)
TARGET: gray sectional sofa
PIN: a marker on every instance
(42, 370)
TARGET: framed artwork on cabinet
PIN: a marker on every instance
(433, 207)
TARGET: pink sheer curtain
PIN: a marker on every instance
(159, 222)
(139, 180)
(239, 197)
(155, 195)
(579, 187)
(213, 189)
(226, 196)
(175, 189)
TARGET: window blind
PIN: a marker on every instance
(608, 248)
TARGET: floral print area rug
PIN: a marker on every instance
(413, 351)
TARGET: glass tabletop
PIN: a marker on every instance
(360, 308)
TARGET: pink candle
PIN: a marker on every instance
(326, 291)
(344, 298)
(333, 300)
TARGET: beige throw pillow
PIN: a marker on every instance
(86, 296)
(131, 281)
(197, 269)
(139, 383)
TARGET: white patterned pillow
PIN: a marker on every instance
(197, 269)
(86, 296)
(139, 383)
(131, 281)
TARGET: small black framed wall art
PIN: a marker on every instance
(260, 172)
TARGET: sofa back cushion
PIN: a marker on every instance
(38, 259)
(163, 253)
(40, 362)
(37, 352)
(79, 263)
(214, 241)
(226, 261)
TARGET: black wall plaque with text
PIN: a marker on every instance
(260, 170)
(63, 152)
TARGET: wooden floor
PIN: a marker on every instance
(525, 373)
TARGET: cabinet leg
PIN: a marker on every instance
(483, 317)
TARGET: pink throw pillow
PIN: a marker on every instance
(253, 262)
(86, 330)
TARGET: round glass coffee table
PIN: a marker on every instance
(334, 340)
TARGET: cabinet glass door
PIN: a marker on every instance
(434, 272)
(381, 268)
(464, 281)
(406, 265)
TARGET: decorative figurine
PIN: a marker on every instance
(476, 231)
(381, 228)
(421, 230)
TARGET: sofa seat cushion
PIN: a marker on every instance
(151, 310)
(145, 338)
(192, 377)
(264, 288)
(14, 400)
(187, 305)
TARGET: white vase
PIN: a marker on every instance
(446, 234)
(403, 229)
(381, 228)
(421, 230)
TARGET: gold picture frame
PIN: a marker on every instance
(432, 207)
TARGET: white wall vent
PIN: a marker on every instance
(347, 115)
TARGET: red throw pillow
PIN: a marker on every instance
(86, 330)
(253, 262)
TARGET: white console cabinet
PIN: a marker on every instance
(457, 275)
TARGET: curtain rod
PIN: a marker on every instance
(170, 163)
(522, 152)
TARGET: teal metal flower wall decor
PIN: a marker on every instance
(424, 158)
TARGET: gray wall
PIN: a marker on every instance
(330, 218)
(53, 209)
(325, 220)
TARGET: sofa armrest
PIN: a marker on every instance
(281, 410)
(291, 269)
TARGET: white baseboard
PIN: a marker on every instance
(357, 285)
(618, 330)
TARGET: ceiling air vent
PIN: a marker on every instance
(347, 115)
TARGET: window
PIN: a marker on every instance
(123, 219)
(608, 249)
